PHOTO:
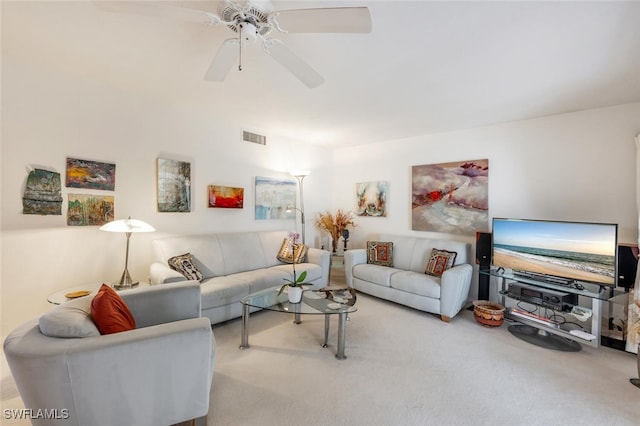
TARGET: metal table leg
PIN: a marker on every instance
(326, 331)
(244, 340)
(342, 322)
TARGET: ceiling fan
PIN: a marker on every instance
(255, 21)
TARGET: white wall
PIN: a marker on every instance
(576, 167)
(49, 116)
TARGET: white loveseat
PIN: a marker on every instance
(234, 265)
(406, 282)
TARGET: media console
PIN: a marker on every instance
(552, 315)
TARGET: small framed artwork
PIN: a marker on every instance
(90, 174)
(42, 193)
(274, 197)
(371, 198)
(226, 197)
(90, 210)
(174, 186)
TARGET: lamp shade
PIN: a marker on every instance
(127, 225)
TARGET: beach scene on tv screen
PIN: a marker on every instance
(577, 251)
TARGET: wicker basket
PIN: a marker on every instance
(488, 313)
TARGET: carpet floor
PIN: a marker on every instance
(406, 367)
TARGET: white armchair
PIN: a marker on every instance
(158, 374)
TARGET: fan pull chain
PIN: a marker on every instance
(240, 44)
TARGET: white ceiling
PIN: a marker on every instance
(426, 67)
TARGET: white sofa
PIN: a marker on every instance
(234, 265)
(159, 373)
(406, 282)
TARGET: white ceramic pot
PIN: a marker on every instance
(295, 294)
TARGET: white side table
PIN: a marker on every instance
(59, 297)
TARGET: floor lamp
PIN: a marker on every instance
(300, 175)
(127, 226)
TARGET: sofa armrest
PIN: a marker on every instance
(352, 258)
(454, 289)
(323, 259)
(162, 274)
(164, 303)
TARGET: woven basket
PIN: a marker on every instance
(488, 313)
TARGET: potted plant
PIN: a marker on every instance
(334, 225)
(295, 286)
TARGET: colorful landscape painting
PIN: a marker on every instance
(226, 197)
(90, 210)
(90, 174)
(450, 197)
(273, 196)
(174, 186)
(371, 198)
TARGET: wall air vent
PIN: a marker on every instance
(252, 137)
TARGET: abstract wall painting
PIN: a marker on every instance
(42, 193)
(273, 196)
(226, 197)
(450, 197)
(90, 174)
(90, 210)
(174, 186)
(371, 198)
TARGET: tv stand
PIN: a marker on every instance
(538, 329)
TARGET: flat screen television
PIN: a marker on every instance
(558, 252)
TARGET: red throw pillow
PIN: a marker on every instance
(109, 312)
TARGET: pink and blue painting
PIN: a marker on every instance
(450, 197)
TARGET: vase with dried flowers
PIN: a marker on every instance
(296, 285)
(334, 225)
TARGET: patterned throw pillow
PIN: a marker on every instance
(380, 253)
(440, 261)
(186, 266)
(109, 312)
(297, 255)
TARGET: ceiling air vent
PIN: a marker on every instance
(252, 137)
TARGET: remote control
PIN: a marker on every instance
(582, 334)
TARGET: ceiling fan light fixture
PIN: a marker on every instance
(248, 31)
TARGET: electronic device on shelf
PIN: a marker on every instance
(553, 299)
(556, 252)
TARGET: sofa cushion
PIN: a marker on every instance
(185, 264)
(110, 313)
(416, 283)
(71, 319)
(291, 252)
(221, 291)
(440, 261)
(376, 274)
(380, 253)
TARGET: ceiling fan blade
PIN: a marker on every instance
(158, 9)
(325, 20)
(294, 64)
(224, 60)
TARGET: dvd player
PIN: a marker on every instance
(553, 299)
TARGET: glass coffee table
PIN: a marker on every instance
(322, 302)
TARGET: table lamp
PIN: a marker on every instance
(127, 226)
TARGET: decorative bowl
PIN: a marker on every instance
(488, 313)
